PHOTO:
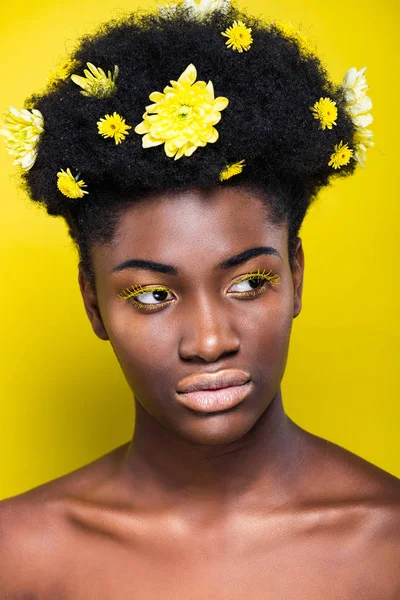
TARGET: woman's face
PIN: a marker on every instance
(200, 319)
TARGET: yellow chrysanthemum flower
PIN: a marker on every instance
(341, 155)
(291, 32)
(239, 36)
(63, 71)
(96, 83)
(326, 112)
(113, 126)
(69, 186)
(182, 117)
(232, 169)
(22, 130)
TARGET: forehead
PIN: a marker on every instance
(204, 225)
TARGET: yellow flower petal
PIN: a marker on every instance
(326, 112)
(96, 83)
(341, 155)
(69, 186)
(239, 36)
(231, 170)
(182, 117)
(114, 127)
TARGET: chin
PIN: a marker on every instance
(214, 429)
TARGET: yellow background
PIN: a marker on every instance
(64, 401)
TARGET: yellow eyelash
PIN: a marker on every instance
(137, 289)
(273, 279)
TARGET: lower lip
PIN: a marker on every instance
(208, 401)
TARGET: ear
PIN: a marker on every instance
(91, 305)
(297, 275)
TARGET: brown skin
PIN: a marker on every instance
(235, 505)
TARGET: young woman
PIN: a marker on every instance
(184, 147)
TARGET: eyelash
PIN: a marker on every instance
(137, 289)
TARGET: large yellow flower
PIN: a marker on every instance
(69, 185)
(182, 117)
(239, 36)
(96, 83)
(326, 112)
(113, 126)
(22, 130)
(341, 155)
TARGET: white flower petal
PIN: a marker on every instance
(363, 120)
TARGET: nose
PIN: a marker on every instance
(209, 332)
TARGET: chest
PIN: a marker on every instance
(311, 568)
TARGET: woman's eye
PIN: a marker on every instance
(249, 284)
(253, 284)
(152, 297)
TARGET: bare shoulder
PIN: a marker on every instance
(361, 508)
(34, 530)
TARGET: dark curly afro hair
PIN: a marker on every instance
(268, 122)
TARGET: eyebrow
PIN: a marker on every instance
(233, 261)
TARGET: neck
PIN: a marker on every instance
(164, 469)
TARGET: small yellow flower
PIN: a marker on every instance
(239, 36)
(326, 112)
(96, 83)
(113, 126)
(340, 156)
(69, 186)
(63, 71)
(232, 169)
(183, 116)
(291, 32)
(22, 130)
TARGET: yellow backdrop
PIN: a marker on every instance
(64, 401)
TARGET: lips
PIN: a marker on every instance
(210, 393)
(213, 381)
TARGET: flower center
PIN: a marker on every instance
(184, 112)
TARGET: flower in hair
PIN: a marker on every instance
(113, 126)
(232, 169)
(183, 117)
(167, 8)
(291, 32)
(96, 83)
(63, 71)
(69, 185)
(239, 36)
(326, 112)
(362, 141)
(358, 105)
(22, 130)
(202, 7)
(341, 155)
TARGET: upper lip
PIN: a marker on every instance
(213, 381)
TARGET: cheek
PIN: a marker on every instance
(143, 345)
